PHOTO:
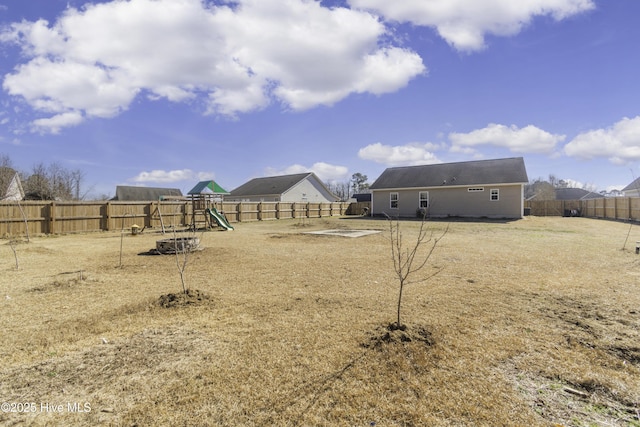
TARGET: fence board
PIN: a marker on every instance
(616, 208)
(55, 217)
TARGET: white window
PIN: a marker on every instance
(475, 189)
(393, 200)
(495, 194)
(423, 200)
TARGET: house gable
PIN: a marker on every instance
(633, 189)
(310, 189)
(10, 185)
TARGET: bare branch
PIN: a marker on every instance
(404, 262)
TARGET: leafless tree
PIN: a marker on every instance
(407, 262)
(183, 249)
(340, 189)
(12, 244)
(53, 182)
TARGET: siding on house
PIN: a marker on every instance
(308, 190)
(454, 201)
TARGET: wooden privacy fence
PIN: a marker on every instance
(618, 208)
(47, 217)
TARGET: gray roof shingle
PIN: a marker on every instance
(575, 194)
(480, 172)
(271, 185)
(635, 185)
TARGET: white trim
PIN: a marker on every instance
(420, 200)
(397, 200)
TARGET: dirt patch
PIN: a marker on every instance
(392, 334)
(344, 233)
(181, 299)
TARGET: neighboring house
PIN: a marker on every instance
(301, 187)
(362, 197)
(633, 189)
(485, 188)
(10, 185)
(144, 194)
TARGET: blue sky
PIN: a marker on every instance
(170, 92)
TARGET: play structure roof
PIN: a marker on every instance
(208, 187)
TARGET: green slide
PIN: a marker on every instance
(219, 219)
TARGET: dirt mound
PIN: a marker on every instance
(191, 297)
(394, 334)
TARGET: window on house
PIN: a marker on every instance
(423, 200)
(475, 189)
(393, 200)
(495, 194)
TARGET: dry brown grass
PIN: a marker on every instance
(531, 322)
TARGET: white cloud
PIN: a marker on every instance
(325, 171)
(329, 173)
(529, 139)
(620, 143)
(163, 176)
(56, 123)
(231, 58)
(400, 155)
(464, 23)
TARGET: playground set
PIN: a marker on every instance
(203, 197)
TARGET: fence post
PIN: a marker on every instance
(147, 219)
(52, 218)
(107, 219)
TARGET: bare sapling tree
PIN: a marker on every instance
(183, 247)
(407, 262)
(122, 236)
(26, 222)
(182, 257)
(12, 244)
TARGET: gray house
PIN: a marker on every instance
(144, 194)
(301, 187)
(485, 188)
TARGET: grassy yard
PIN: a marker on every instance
(529, 322)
